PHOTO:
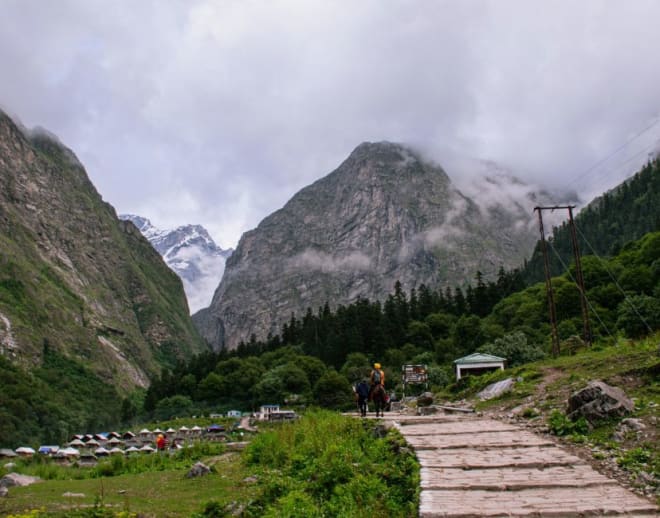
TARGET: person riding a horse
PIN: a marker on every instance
(377, 377)
(377, 392)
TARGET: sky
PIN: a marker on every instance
(216, 112)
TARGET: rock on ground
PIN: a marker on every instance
(598, 401)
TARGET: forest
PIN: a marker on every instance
(316, 358)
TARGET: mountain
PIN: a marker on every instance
(75, 281)
(383, 215)
(190, 251)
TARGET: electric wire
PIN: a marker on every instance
(618, 168)
(617, 150)
(591, 306)
(616, 283)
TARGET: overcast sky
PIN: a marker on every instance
(217, 112)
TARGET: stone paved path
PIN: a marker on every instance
(473, 466)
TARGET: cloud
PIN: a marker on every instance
(218, 112)
(327, 263)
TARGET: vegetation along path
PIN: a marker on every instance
(474, 466)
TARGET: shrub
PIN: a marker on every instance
(561, 425)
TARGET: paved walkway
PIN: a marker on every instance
(473, 466)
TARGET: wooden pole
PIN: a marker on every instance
(548, 288)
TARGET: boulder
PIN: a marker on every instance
(426, 399)
(198, 470)
(599, 401)
(496, 389)
(16, 479)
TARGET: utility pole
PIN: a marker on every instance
(579, 278)
(548, 288)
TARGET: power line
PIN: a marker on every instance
(591, 306)
(609, 272)
(617, 150)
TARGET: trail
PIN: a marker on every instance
(474, 466)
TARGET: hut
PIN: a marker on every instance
(113, 442)
(477, 363)
(101, 452)
(48, 450)
(25, 451)
(7, 453)
(68, 452)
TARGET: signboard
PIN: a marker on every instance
(414, 374)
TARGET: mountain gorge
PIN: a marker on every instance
(75, 281)
(189, 251)
(384, 215)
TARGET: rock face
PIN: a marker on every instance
(189, 251)
(598, 401)
(384, 215)
(73, 278)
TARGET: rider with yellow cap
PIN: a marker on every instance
(377, 376)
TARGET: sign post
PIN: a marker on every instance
(414, 375)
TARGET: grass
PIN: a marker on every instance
(324, 464)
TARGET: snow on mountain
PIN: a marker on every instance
(189, 251)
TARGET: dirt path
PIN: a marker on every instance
(475, 466)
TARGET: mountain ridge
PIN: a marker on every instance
(385, 214)
(73, 278)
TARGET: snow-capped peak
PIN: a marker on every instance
(189, 251)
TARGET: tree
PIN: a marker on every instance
(514, 348)
(356, 367)
(175, 406)
(639, 315)
(333, 390)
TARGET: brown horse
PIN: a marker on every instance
(379, 397)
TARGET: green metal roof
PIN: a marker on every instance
(480, 358)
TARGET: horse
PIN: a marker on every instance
(379, 397)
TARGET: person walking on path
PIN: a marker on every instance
(362, 391)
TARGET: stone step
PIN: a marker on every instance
(458, 427)
(551, 502)
(506, 479)
(519, 438)
(471, 458)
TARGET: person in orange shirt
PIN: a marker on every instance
(377, 377)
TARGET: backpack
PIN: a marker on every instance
(376, 377)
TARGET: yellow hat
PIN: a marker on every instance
(376, 365)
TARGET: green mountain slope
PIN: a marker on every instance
(76, 283)
(610, 221)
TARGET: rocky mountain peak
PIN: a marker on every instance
(385, 214)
